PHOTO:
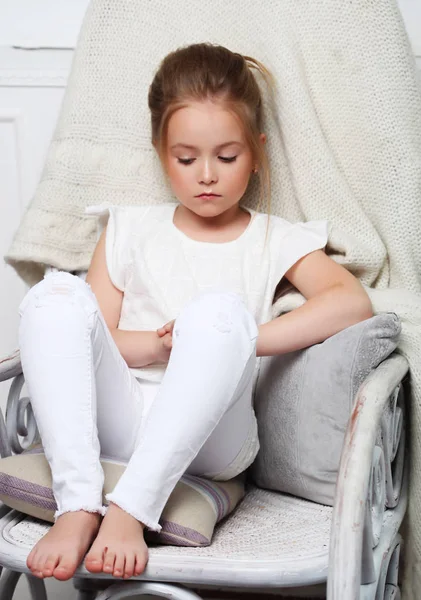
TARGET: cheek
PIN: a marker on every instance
(242, 176)
(178, 177)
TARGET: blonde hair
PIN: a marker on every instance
(207, 71)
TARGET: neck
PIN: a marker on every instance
(204, 222)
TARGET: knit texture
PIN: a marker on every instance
(344, 142)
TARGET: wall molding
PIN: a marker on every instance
(34, 68)
(33, 77)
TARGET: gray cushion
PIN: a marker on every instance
(303, 403)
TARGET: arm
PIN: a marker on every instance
(335, 300)
(138, 348)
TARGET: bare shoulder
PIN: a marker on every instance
(108, 296)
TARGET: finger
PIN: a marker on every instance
(167, 342)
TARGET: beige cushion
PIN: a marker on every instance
(188, 519)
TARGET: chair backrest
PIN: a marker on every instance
(334, 132)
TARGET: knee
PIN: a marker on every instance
(223, 312)
(58, 289)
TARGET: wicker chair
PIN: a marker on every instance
(273, 541)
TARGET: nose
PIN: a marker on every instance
(208, 174)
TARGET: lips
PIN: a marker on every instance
(208, 196)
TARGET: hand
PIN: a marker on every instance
(168, 328)
(163, 348)
(164, 342)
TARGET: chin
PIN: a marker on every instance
(210, 207)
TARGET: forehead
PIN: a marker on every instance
(203, 124)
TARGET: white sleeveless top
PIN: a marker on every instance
(160, 269)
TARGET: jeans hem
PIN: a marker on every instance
(99, 509)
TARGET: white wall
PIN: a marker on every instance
(37, 38)
(411, 12)
(41, 23)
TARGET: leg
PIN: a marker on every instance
(210, 368)
(233, 445)
(69, 358)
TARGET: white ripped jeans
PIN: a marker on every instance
(88, 403)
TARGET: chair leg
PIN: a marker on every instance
(163, 590)
(9, 580)
(87, 588)
(86, 594)
(36, 587)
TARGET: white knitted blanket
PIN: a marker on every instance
(344, 143)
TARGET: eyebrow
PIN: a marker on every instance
(218, 147)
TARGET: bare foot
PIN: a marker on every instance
(119, 547)
(61, 550)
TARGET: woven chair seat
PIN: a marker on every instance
(271, 538)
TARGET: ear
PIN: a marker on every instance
(263, 138)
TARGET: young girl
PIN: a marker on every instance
(154, 359)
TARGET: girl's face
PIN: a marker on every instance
(207, 154)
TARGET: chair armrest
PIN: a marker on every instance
(20, 421)
(365, 434)
(10, 366)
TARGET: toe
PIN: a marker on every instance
(140, 564)
(37, 573)
(119, 564)
(129, 565)
(50, 564)
(31, 557)
(37, 565)
(65, 569)
(109, 560)
(94, 560)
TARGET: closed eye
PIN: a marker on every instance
(188, 161)
(227, 158)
